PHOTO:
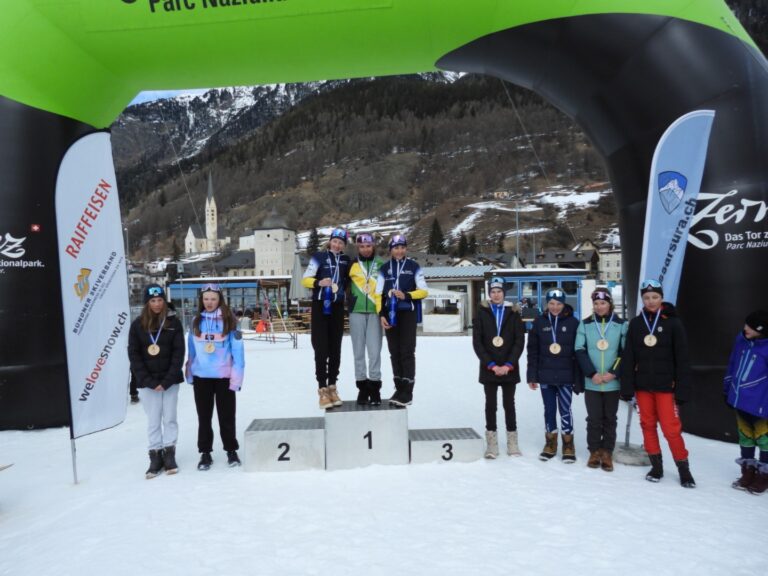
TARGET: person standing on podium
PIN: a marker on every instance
(402, 286)
(364, 325)
(327, 275)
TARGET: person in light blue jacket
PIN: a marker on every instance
(215, 367)
(600, 340)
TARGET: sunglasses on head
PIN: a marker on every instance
(364, 239)
(555, 294)
(600, 296)
(650, 283)
(211, 287)
(155, 291)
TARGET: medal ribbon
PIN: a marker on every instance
(651, 330)
(334, 270)
(157, 337)
(210, 320)
(601, 333)
(498, 312)
(399, 265)
(554, 327)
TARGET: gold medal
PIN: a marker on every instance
(367, 289)
(391, 293)
(602, 344)
(498, 341)
(650, 340)
(334, 287)
(555, 348)
(153, 349)
(210, 347)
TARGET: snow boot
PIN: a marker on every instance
(169, 460)
(550, 446)
(333, 395)
(760, 483)
(155, 464)
(232, 458)
(407, 396)
(134, 398)
(363, 392)
(325, 398)
(205, 461)
(395, 399)
(512, 448)
(569, 450)
(748, 473)
(595, 457)
(491, 444)
(686, 479)
(606, 462)
(656, 473)
(374, 390)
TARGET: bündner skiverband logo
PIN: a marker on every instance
(672, 187)
(82, 286)
(12, 247)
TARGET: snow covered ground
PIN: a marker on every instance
(509, 516)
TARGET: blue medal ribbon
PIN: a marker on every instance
(651, 329)
(601, 333)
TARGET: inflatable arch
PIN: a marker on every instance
(623, 70)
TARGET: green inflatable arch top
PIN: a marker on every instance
(86, 59)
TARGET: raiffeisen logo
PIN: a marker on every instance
(82, 286)
(11, 247)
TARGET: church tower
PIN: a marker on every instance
(211, 219)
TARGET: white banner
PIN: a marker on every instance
(94, 285)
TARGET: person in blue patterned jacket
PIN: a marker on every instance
(215, 367)
(746, 389)
(327, 275)
(402, 286)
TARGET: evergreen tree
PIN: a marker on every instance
(175, 251)
(500, 246)
(436, 239)
(313, 244)
(463, 246)
(472, 244)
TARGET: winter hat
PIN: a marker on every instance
(364, 238)
(496, 282)
(153, 291)
(339, 233)
(555, 294)
(758, 321)
(398, 240)
(601, 293)
(651, 285)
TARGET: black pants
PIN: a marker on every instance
(327, 332)
(401, 341)
(133, 386)
(208, 390)
(508, 402)
(601, 419)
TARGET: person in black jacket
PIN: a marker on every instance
(498, 339)
(552, 364)
(657, 371)
(156, 352)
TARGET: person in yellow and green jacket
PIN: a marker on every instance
(364, 325)
(600, 341)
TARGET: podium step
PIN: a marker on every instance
(445, 445)
(285, 444)
(357, 436)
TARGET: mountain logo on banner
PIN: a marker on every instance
(672, 187)
(83, 286)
